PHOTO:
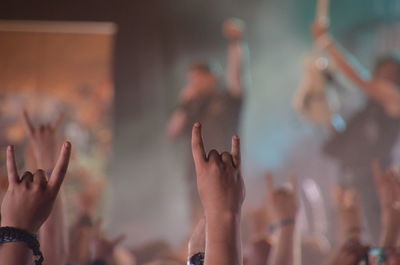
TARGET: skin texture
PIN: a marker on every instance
(28, 202)
(197, 241)
(221, 189)
(283, 205)
(53, 234)
(257, 250)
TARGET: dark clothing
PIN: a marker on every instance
(219, 115)
(371, 134)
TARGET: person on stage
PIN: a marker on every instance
(206, 100)
(372, 132)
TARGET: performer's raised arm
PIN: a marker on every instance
(233, 31)
(347, 63)
(381, 85)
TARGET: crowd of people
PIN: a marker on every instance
(34, 229)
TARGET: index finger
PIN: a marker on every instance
(12, 172)
(235, 151)
(199, 154)
(58, 174)
(28, 123)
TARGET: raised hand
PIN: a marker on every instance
(259, 221)
(29, 198)
(351, 253)
(219, 179)
(283, 206)
(233, 29)
(282, 202)
(43, 140)
(103, 247)
(348, 208)
(221, 189)
(388, 188)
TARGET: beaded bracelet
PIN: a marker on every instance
(11, 234)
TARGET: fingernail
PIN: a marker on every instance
(10, 148)
(235, 137)
(197, 125)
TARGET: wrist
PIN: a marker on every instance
(28, 229)
(222, 216)
(352, 232)
(283, 225)
(13, 235)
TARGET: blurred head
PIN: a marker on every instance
(387, 68)
(203, 77)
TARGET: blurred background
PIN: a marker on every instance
(150, 44)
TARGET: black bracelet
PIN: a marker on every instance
(196, 259)
(11, 234)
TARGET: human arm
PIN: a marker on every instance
(177, 124)
(197, 241)
(350, 253)
(28, 202)
(221, 189)
(347, 63)
(388, 189)
(348, 209)
(233, 30)
(53, 234)
(283, 205)
(380, 90)
(103, 247)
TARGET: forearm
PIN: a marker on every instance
(390, 231)
(348, 64)
(223, 241)
(15, 254)
(258, 252)
(46, 159)
(177, 124)
(53, 236)
(235, 68)
(349, 230)
(283, 250)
